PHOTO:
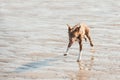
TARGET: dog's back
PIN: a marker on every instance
(84, 29)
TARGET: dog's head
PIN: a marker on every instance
(73, 32)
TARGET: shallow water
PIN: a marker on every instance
(33, 39)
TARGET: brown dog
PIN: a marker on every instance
(77, 33)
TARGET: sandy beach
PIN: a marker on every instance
(34, 37)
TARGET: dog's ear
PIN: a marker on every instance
(78, 29)
(77, 25)
(69, 28)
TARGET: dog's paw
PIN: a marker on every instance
(78, 60)
(65, 54)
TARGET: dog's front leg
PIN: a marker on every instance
(69, 45)
(80, 51)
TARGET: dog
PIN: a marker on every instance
(78, 33)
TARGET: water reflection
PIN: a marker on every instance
(84, 71)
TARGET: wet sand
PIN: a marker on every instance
(33, 39)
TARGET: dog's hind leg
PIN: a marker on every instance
(69, 45)
(88, 36)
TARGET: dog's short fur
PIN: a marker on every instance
(77, 33)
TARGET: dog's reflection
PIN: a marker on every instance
(84, 71)
(86, 65)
